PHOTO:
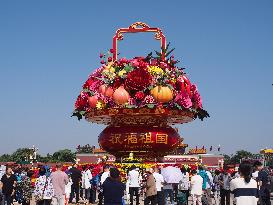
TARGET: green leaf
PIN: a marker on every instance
(167, 47)
(104, 80)
(158, 53)
(128, 68)
(150, 106)
(170, 86)
(178, 106)
(77, 114)
(88, 91)
(130, 106)
(169, 52)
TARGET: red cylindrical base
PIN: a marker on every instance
(143, 141)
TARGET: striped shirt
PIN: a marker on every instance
(244, 193)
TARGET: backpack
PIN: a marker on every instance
(181, 198)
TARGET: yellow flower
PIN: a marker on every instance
(121, 73)
(173, 80)
(100, 105)
(155, 70)
(109, 67)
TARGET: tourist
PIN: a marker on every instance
(133, 178)
(224, 180)
(184, 186)
(59, 180)
(26, 187)
(113, 189)
(244, 188)
(159, 180)
(7, 186)
(263, 180)
(216, 190)
(43, 191)
(68, 189)
(168, 192)
(18, 190)
(206, 186)
(151, 191)
(76, 176)
(94, 183)
(104, 175)
(86, 183)
(196, 187)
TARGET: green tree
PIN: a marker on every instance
(65, 155)
(227, 159)
(239, 155)
(21, 154)
(5, 158)
(44, 159)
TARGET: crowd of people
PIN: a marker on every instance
(250, 185)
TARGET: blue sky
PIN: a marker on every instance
(48, 48)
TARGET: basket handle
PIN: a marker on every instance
(136, 28)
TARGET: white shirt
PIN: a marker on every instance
(133, 178)
(196, 185)
(210, 182)
(86, 177)
(159, 180)
(104, 176)
(255, 174)
(244, 193)
(184, 183)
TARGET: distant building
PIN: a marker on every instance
(210, 160)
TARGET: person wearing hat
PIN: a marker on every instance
(113, 189)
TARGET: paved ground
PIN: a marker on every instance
(141, 203)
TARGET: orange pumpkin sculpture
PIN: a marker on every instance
(162, 94)
(121, 96)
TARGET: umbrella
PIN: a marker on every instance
(171, 174)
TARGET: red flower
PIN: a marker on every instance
(117, 83)
(111, 50)
(101, 55)
(139, 95)
(110, 59)
(138, 79)
(102, 62)
(81, 103)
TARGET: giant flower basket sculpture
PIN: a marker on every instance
(139, 99)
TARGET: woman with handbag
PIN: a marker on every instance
(43, 191)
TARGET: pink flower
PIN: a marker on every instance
(196, 97)
(132, 101)
(149, 99)
(123, 60)
(153, 62)
(163, 65)
(134, 63)
(183, 99)
(84, 95)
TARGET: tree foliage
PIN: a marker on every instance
(5, 158)
(64, 155)
(238, 156)
(22, 154)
